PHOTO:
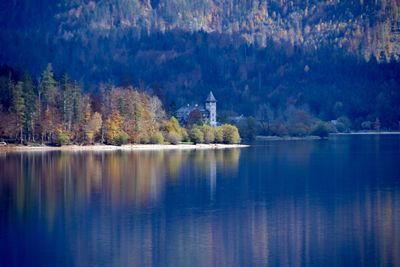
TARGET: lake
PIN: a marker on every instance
(329, 202)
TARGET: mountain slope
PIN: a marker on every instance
(362, 27)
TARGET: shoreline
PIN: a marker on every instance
(312, 137)
(369, 133)
(100, 148)
(285, 138)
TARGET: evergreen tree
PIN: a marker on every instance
(48, 85)
(19, 108)
(30, 105)
(79, 103)
(50, 117)
(67, 102)
(50, 123)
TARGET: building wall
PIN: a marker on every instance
(212, 108)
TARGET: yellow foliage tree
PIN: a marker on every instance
(93, 126)
(113, 127)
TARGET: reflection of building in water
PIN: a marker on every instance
(208, 162)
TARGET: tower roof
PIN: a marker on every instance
(211, 98)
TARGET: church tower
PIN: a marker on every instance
(211, 106)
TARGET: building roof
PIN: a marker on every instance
(211, 98)
(184, 109)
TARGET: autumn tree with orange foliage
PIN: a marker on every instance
(113, 127)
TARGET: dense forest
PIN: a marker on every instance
(269, 60)
(358, 26)
(57, 112)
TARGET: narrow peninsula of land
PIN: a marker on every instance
(132, 147)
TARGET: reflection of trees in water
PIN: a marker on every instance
(108, 195)
(226, 160)
(46, 182)
(226, 238)
(351, 231)
(291, 233)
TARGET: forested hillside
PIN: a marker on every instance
(330, 58)
(358, 26)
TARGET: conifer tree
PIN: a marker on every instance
(48, 85)
(67, 102)
(30, 105)
(18, 107)
(78, 104)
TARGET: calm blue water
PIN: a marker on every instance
(285, 203)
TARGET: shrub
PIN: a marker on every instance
(366, 125)
(196, 135)
(122, 138)
(331, 127)
(209, 136)
(341, 128)
(321, 130)
(89, 136)
(184, 135)
(144, 138)
(230, 134)
(173, 138)
(208, 133)
(346, 123)
(299, 129)
(172, 125)
(279, 129)
(62, 137)
(157, 138)
(219, 135)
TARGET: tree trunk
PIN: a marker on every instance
(33, 131)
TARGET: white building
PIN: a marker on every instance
(211, 107)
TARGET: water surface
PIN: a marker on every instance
(281, 203)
